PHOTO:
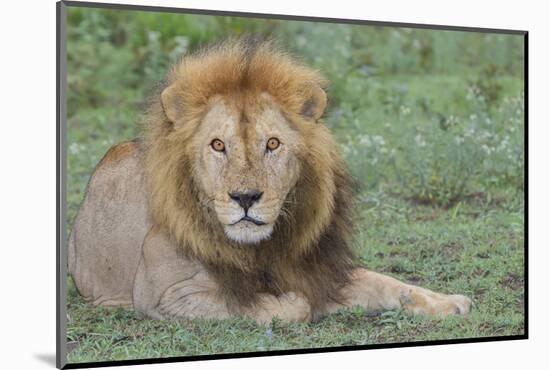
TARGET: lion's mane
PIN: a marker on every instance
(309, 251)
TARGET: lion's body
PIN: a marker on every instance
(103, 251)
(202, 219)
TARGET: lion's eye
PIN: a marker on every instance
(273, 143)
(218, 145)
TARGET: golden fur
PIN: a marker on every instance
(307, 253)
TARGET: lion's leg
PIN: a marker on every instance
(168, 285)
(377, 292)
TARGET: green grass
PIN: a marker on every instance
(430, 123)
(473, 250)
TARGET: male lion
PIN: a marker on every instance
(236, 201)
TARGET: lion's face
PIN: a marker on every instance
(248, 164)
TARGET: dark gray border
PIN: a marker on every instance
(61, 189)
(61, 155)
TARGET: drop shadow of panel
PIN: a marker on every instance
(47, 358)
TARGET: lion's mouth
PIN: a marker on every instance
(248, 230)
(249, 219)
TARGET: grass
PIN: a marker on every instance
(471, 249)
(431, 124)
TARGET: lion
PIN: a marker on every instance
(235, 201)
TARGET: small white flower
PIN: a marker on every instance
(488, 150)
(452, 120)
(486, 134)
(153, 36)
(74, 148)
(419, 140)
(472, 92)
(365, 140)
(379, 140)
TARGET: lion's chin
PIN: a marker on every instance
(247, 233)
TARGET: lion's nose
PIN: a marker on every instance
(246, 199)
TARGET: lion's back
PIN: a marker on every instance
(108, 232)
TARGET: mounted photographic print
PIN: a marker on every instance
(234, 184)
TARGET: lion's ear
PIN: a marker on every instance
(314, 106)
(171, 103)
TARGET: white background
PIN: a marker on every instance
(27, 182)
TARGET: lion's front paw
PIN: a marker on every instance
(445, 305)
(295, 307)
(288, 307)
(460, 305)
